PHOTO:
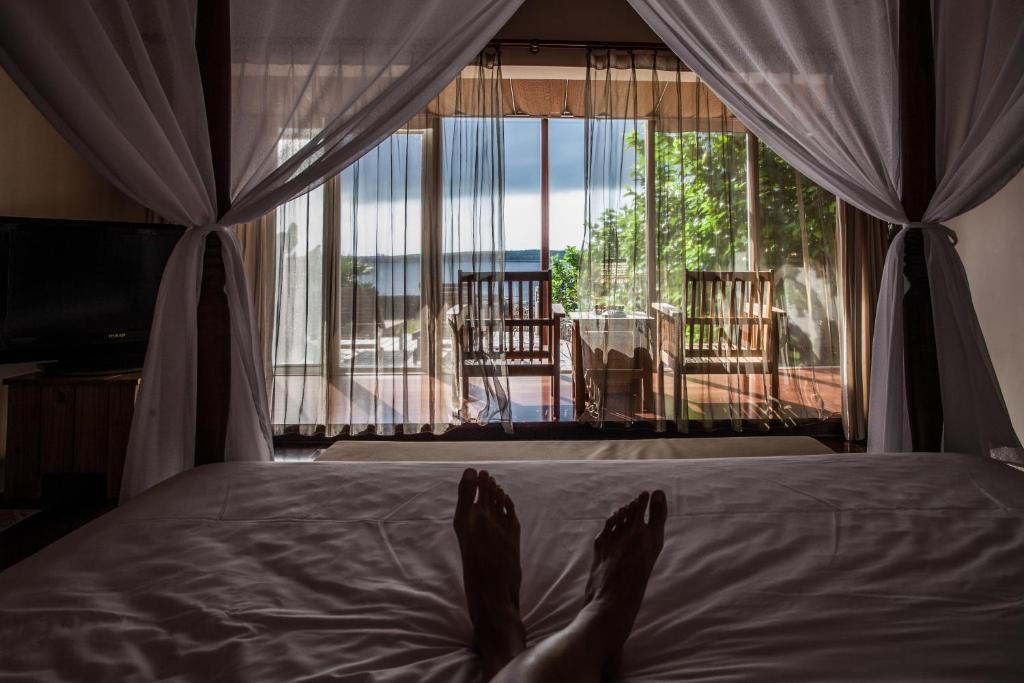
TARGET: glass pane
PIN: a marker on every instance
(701, 188)
(614, 253)
(798, 244)
(522, 209)
(567, 206)
(522, 194)
(300, 260)
(379, 266)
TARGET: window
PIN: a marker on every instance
(298, 339)
(344, 246)
(379, 252)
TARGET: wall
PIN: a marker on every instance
(991, 245)
(578, 20)
(41, 176)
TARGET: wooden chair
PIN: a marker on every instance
(727, 326)
(507, 322)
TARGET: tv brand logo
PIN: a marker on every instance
(117, 335)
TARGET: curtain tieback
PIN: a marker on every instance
(934, 226)
(208, 228)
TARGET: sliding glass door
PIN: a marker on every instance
(696, 268)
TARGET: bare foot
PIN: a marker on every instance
(624, 555)
(488, 532)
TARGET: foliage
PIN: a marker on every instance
(564, 278)
(701, 202)
(700, 181)
(350, 269)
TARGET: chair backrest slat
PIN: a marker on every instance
(487, 299)
(727, 313)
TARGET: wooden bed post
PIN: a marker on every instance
(213, 372)
(917, 138)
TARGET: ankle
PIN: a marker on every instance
(607, 623)
(498, 647)
(499, 636)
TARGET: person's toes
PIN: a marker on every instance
(510, 519)
(467, 492)
(486, 488)
(620, 519)
(659, 511)
(631, 513)
(499, 500)
(641, 508)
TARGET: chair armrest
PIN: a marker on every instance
(456, 321)
(666, 309)
(557, 311)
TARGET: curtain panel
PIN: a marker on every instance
(707, 286)
(861, 245)
(364, 270)
(257, 241)
(823, 92)
(120, 80)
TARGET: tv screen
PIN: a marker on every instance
(80, 292)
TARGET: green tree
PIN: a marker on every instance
(351, 268)
(564, 278)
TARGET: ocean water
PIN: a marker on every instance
(398, 275)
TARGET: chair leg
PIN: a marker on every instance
(677, 393)
(647, 378)
(776, 391)
(556, 395)
(661, 389)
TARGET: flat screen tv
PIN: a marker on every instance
(80, 293)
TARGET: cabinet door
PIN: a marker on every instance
(57, 429)
(91, 427)
(121, 406)
(22, 464)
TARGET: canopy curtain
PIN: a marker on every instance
(823, 92)
(121, 82)
(366, 268)
(707, 285)
(861, 244)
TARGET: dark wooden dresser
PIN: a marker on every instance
(67, 433)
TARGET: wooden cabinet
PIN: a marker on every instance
(67, 426)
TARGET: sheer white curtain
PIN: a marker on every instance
(366, 269)
(817, 80)
(121, 81)
(346, 72)
(706, 256)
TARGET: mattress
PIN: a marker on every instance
(810, 568)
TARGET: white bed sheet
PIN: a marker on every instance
(811, 568)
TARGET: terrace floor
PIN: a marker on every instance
(411, 397)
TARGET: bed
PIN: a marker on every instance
(810, 568)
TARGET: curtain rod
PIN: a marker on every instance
(536, 45)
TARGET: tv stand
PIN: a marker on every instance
(67, 434)
(93, 366)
